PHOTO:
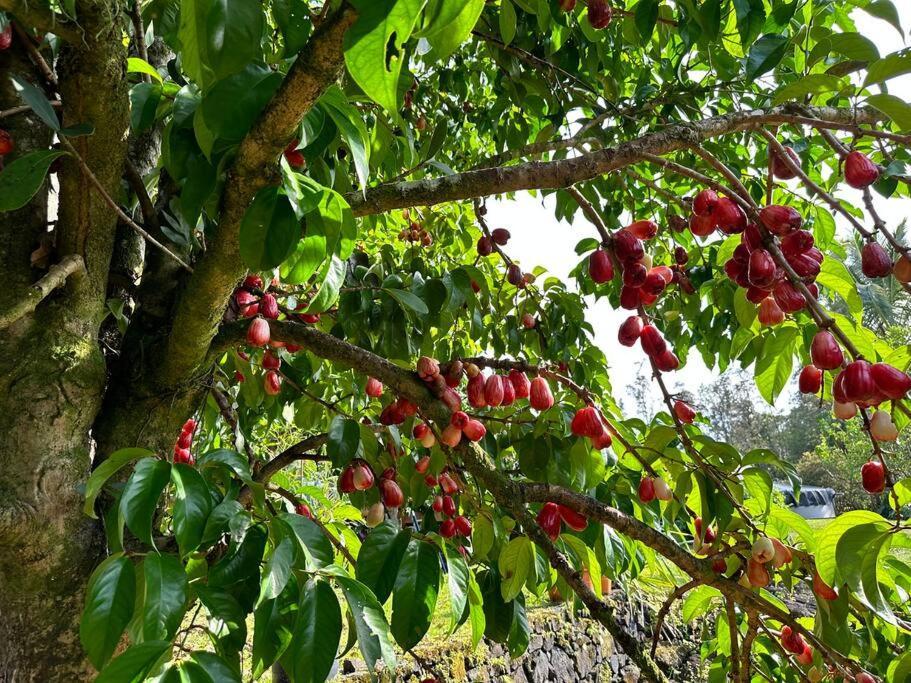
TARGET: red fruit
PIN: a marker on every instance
(702, 226)
(757, 574)
(709, 537)
(902, 269)
(628, 247)
(392, 494)
(751, 238)
(860, 172)
(705, 202)
(485, 246)
(430, 481)
(346, 480)
(292, 348)
(549, 520)
(805, 265)
(272, 384)
(514, 275)
(684, 412)
(792, 642)
(362, 477)
(858, 381)
(890, 381)
(652, 342)
(6, 37)
(761, 269)
(311, 318)
(719, 565)
(271, 361)
(788, 298)
(528, 321)
(599, 13)
(258, 332)
(500, 236)
(634, 274)
(756, 295)
(644, 229)
(493, 391)
(797, 242)
(681, 256)
(665, 272)
(183, 456)
(476, 388)
(629, 298)
(567, 5)
(239, 376)
(247, 304)
(449, 506)
(601, 442)
(392, 415)
(463, 526)
(667, 361)
(600, 268)
(630, 330)
(474, 430)
(303, 510)
(825, 351)
(447, 528)
(864, 677)
(6, 140)
(451, 436)
(423, 464)
(822, 589)
(810, 381)
(587, 422)
(520, 383)
(736, 270)
(646, 489)
(459, 420)
(188, 427)
(448, 484)
(770, 312)
(780, 169)
(654, 283)
(729, 216)
(437, 504)
(539, 396)
(873, 476)
(427, 368)
(509, 393)
(574, 520)
(374, 388)
(253, 282)
(874, 261)
(780, 220)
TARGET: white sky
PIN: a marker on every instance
(538, 239)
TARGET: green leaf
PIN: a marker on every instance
(895, 108)
(135, 663)
(165, 599)
(230, 459)
(775, 362)
(231, 107)
(114, 462)
(241, 562)
(350, 124)
(278, 571)
(293, 20)
(140, 496)
(750, 19)
(374, 46)
(408, 300)
(835, 276)
(515, 562)
(885, 10)
(344, 440)
(135, 65)
(476, 611)
(458, 579)
(812, 84)
(415, 594)
(273, 627)
(450, 23)
(311, 539)
(317, 633)
(268, 231)
(215, 669)
(21, 179)
(144, 101)
(108, 608)
(765, 54)
(219, 37)
(192, 506)
(698, 602)
(482, 536)
(759, 483)
(327, 295)
(519, 631)
(827, 542)
(380, 557)
(854, 46)
(857, 556)
(373, 636)
(646, 16)
(508, 21)
(888, 67)
(37, 100)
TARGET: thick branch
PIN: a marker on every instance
(57, 276)
(566, 172)
(200, 309)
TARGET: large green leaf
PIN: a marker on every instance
(344, 440)
(164, 583)
(21, 179)
(269, 230)
(380, 557)
(38, 102)
(333, 276)
(112, 464)
(449, 23)
(311, 540)
(139, 499)
(857, 555)
(350, 124)
(273, 627)
(233, 104)
(135, 663)
(278, 571)
(765, 54)
(317, 633)
(373, 636)
(415, 594)
(775, 361)
(458, 578)
(894, 107)
(108, 608)
(374, 46)
(515, 563)
(827, 542)
(242, 561)
(192, 505)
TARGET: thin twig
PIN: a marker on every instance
(59, 273)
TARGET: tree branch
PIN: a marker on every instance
(34, 16)
(566, 172)
(57, 276)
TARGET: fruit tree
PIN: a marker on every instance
(225, 222)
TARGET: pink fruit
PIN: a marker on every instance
(662, 490)
(448, 484)
(423, 464)
(374, 388)
(272, 383)
(792, 642)
(844, 410)
(476, 392)
(860, 172)
(428, 368)
(540, 396)
(825, 351)
(628, 247)
(346, 480)
(770, 312)
(474, 430)
(451, 436)
(485, 246)
(520, 383)
(447, 528)
(268, 306)
(757, 574)
(247, 304)
(362, 477)
(459, 420)
(643, 229)
(463, 526)
(574, 520)
(667, 361)
(500, 236)
(493, 391)
(763, 549)
(258, 332)
(509, 392)
(634, 274)
(303, 510)
(761, 269)
(392, 494)
(797, 242)
(822, 589)
(703, 226)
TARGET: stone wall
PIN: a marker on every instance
(562, 648)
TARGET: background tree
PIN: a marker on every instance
(308, 184)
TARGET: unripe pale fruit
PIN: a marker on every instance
(474, 430)
(258, 332)
(374, 515)
(500, 236)
(459, 420)
(902, 270)
(891, 382)
(628, 247)
(705, 202)
(485, 246)
(549, 520)
(662, 490)
(810, 380)
(463, 526)
(643, 229)
(882, 428)
(761, 269)
(825, 351)
(447, 528)
(599, 14)
(874, 261)
(783, 554)
(493, 391)
(652, 342)
(451, 436)
(423, 464)
(520, 383)
(763, 549)
(574, 520)
(844, 410)
(729, 216)
(272, 383)
(823, 590)
(684, 412)
(472, 370)
(476, 387)
(667, 361)
(646, 489)
(860, 172)
(374, 388)
(449, 507)
(392, 494)
(528, 321)
(780, 169)
(873, 477)
(858, 381)
(757, 574)
(363, 476)
(600, 268)
(268, 306)
(780, 220)
(587, 422)
(540, 396)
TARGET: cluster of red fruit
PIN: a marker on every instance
(415, 232)
(444, 506)
(552, 516)
(599, 12)
(766, 552)
(358, 476)
(184, 441)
